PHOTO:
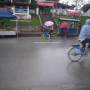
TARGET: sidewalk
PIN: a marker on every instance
(31, 63)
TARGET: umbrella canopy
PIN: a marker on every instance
(49, 23)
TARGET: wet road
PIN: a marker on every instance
(31, 63)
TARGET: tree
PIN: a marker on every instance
(34, 3)
(79, 3)
(85, 7)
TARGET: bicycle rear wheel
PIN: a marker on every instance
(73, 55)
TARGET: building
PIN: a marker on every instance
(21, 8)
(18, 7)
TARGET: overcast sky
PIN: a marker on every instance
(69, 1)
(64, 1)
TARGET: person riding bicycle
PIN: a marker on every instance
(48, 28)
(84, 36)
(46, 31)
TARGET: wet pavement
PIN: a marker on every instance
(31, 63)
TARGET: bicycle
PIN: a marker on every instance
(48, 33)
(76, 52)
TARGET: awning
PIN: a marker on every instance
(46, 4)
(68, 19)
(7, 14)
(73, 12)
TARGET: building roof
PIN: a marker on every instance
(15, 2)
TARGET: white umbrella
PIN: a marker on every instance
(49, 23)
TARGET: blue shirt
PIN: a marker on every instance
(85, 32)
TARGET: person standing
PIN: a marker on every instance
(64, 26)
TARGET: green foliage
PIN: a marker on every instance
(4, 20)
(8, 21)
(7, 24)
(34, 3)
(82, 21)
(35, 21)
(1, 0)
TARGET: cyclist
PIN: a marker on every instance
(84, 36)
(46, 31)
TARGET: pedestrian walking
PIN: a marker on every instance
(64, 26)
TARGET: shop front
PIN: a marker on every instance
(73, 29)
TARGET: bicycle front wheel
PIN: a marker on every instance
(73, 55)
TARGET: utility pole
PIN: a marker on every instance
(76, 3)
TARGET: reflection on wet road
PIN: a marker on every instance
(34, 64)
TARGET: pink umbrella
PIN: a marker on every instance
(49, 23)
